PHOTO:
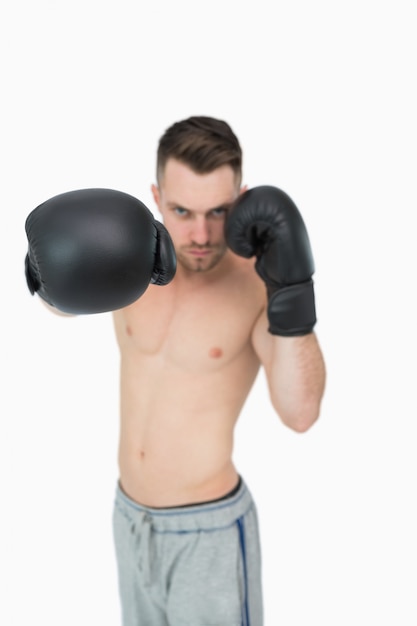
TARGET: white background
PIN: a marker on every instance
(323, 98)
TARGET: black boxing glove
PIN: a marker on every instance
(95, 250)
(264, 222)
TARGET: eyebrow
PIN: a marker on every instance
(176, 205)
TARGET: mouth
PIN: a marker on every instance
(199, 252)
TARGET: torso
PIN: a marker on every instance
(187, 366)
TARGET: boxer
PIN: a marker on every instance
(201, 300)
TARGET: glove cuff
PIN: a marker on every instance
(165, 263)
(32, 279)
(292, 311)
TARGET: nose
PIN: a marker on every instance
(200, 233)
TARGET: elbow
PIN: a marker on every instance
(299, 409)
(299, 419)
(301, 425)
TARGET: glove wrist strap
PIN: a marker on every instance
(291, 310)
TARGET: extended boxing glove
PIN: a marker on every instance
(264, 222)
(95, 250)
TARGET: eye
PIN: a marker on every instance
(219, 212)
(180, 211)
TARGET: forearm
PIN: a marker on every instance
(296, 379)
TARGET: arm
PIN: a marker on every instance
(295, 374)
(264, 222)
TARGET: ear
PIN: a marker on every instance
(156, 195)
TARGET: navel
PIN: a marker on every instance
(215, 353)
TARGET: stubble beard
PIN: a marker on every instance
(201, 264)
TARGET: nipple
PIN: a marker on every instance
(215, 353)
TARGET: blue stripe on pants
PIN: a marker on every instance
(240, 525)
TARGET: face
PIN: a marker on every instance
(193, 207)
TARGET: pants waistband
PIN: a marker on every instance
(205, 516)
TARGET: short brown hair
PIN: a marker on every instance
(202, 143)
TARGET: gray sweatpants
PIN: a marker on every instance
(198, 565)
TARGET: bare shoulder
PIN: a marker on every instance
(245, 277)
(142, 311)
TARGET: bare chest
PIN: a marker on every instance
(195, 330)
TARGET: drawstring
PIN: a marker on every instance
(144, 532)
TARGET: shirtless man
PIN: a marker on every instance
(185, 523)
